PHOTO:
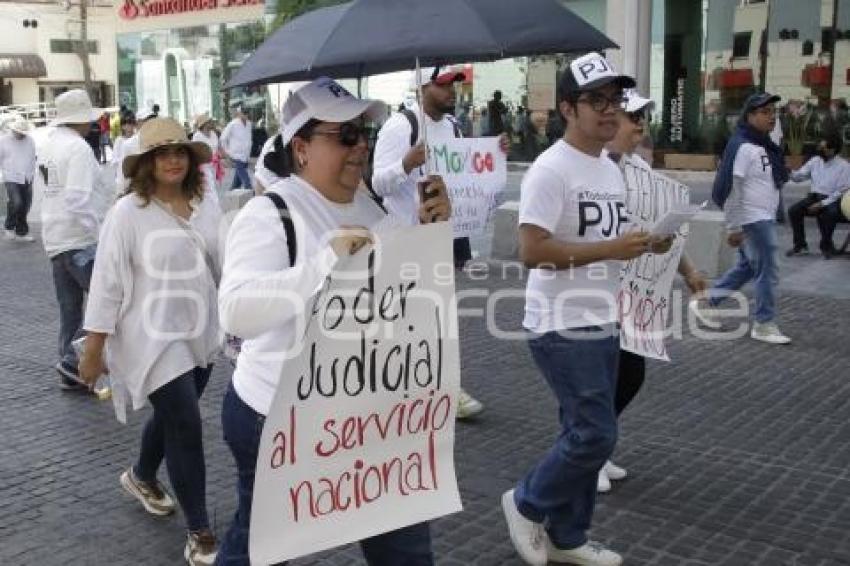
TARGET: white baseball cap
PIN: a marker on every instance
(74, 107)
(326, 100)
(635, 102)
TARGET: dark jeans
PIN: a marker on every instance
(827, 220)
(560, 491)
(243, 427)
(240, 175)
(18, 206)
(797, 214)
(462, 252)
(630, 377)
(71, 277)
(174, 432)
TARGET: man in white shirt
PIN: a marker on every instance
(17, 162)
(572, 214)
(236, 143)
(400, 156)
(71, 213)
(830, 177)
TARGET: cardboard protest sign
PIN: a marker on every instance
(644, 299)
(475, 171)
(359, 439)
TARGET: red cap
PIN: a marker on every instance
(448, 78)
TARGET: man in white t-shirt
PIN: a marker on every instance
(829, 174)
(236, 140)
(400, 155)
(74, 205)
(572, 232)
(17, 163)
(757, 173)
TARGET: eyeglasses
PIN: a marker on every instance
(348, 134)
(637, 116)
(600, 103)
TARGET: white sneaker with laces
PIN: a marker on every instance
(529, 538)
(589, 554)
(614, 472)
(768, 332)
(468, 406)
(201, 548)
(603, 482)
(705, 313)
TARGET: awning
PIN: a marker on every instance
(21, 66)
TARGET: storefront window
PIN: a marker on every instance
(183, 70)
(718, 52)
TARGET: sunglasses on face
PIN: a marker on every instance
(348, 134)
(600, 103)
(637, 116)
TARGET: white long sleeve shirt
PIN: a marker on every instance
(389, 180)
(263, 298)
(17, 158)
(236, 139)
(154, 295)
(75, 196)
(829, 178)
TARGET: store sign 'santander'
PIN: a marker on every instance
(133, 9)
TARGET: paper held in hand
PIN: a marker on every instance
(672, 221)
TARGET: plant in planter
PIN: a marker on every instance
(797, 116)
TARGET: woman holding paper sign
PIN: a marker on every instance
(273, 258)
(632, 119)
(153, 303)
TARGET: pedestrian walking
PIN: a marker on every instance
(152, 320)
(205, 133)
(269, 261)
(496, 112)
(631, 372)
(75, 200)
(400, 155)
(17, 163)
(749, 178)
(571, 217)
(125, 144)
(236, 142)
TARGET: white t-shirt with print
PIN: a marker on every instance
(758, 198)
(578, 198)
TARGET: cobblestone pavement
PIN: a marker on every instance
(738, 452)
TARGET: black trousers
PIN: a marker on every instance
(827, 219)
(797, 214)
(630, 377)
(462, 252)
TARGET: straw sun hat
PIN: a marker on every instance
(162, 132)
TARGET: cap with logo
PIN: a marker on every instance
(635, 102)
(432, 75)
(759, 99)
(589, 72)
(326, 100)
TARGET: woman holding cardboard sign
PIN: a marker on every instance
(276, 262)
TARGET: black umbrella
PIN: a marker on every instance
(368, 37)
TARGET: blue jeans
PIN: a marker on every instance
(243, 427)
(17, 207)
(174, 432)
(240, 175)
(560, 491)
(756, 262)
(71, 278)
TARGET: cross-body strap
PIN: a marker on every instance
(288, 225)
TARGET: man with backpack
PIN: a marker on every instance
(399, 164)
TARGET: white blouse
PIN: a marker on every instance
(154, 294)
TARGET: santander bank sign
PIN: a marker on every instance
(135, 9)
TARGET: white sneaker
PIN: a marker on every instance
(25, 238)
(614, 472)
(603, 482)
(468, 406)
(9, 234)
(589, 554)
(201, 548)
(768, 332)
(705, 313)
(529, 538)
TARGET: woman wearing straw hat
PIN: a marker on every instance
(319, 158)
(17, 162)
(205, 133)
(153, 305)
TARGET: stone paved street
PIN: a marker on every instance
(738, 452)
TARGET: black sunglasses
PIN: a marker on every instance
(348, 134)
(638, 115)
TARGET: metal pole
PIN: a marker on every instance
(832, 65)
